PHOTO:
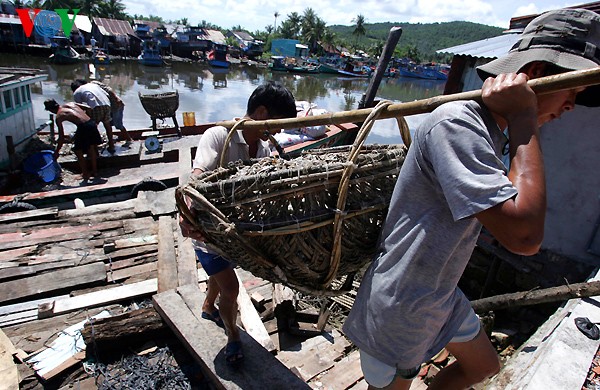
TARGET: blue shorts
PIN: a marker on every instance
(212, 264)
(380, 375)
(117, 118)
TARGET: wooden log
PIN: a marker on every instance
(111, 332)
(552, 294)
(251, 320)
(52, 281)
(167, 260)
(205, 341)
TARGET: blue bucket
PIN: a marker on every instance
(43, 164)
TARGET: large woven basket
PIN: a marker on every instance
(306, 222)
(160, 105)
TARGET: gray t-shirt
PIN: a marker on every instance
(409, 306)
(210, 148)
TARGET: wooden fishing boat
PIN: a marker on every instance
(100, 58)
(217, 57)
(63, 53)
(150, 54)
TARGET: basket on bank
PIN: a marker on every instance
(160, 105)
(276, 218)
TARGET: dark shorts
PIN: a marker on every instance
(86, 135)
(212, 264)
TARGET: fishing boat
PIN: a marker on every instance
(100, 57)
(217, 57)
(353, 69)
(303, 68)
(277, 64)
(150, 54)
(63, 53)
(428, 72)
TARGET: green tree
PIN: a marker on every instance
(359, 27)
(291, 27)
(114, 9)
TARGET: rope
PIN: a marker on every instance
(336, 252)
(228, 140)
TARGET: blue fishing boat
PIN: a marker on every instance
(150, 54)
(277, 64)
(217, 57)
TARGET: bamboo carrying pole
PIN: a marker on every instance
(542, 85)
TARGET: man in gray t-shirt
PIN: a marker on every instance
(454, 181)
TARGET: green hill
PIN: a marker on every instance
(427, 37)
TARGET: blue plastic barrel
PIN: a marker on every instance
(43, 164)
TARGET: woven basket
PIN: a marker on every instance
(160, 105)
(304, 222)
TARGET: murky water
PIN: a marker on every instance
(214, 94)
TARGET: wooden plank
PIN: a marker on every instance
(167, 260)
(124, 273)
(29, 214)
(136, 241)
(9, 374)
(12, 254)
(205, 341)
(315, 355)
(157, 202)
(13, 272)
(251, 320)
(52, 281)
(185, 164)
(186, 260)
(97, 298)
(344, 374)
(29, 305)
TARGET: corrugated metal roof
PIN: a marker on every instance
(10, 76)
(486, 48)
(114, 26)
(215, 36)
(243, 35)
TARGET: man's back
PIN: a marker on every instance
(71, 112)
(92, 95)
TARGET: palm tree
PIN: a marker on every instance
(291, 27)
(114, 9)
(359, 27)
(276, 15)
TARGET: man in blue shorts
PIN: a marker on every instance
(86, 138)
(268, 101)
(453, 181)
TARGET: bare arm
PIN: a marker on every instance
(518, 223)
(61, 136)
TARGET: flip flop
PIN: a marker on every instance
(215, 317)
(233, 353)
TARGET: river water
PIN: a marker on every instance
(214, 94)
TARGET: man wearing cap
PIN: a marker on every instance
(452, 183)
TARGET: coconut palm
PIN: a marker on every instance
(359, 27)
(114, 9)
(291, 27)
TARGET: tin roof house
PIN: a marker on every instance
(250, 47)
(16, 109)
(116, 36)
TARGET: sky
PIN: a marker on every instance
(255, 15)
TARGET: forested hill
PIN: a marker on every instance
(427, 38)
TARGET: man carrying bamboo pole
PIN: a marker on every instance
(268, 101)
(453, 181)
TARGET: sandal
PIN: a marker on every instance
(233, 353)
(215, 317)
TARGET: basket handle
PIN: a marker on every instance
(228, 140)
(336, 252)
(222, 220)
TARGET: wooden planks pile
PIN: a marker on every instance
(59, 268)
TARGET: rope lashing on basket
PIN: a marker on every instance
(336, 252)
(228, 140)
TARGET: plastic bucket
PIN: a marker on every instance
(189, 118)
(43, 164)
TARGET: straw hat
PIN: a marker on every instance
(567, 38)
